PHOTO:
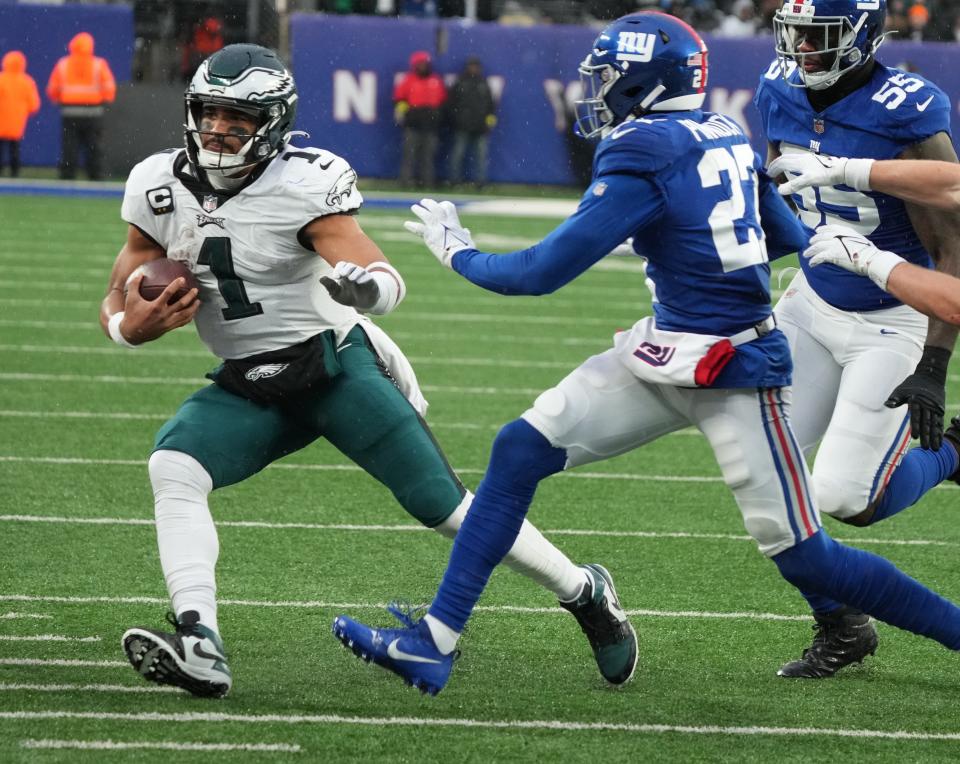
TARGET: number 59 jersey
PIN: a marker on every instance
(892, 111)
(259, 280)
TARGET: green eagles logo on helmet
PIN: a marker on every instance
(250, 79)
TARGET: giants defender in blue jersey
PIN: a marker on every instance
(687, 186)
(858, 352)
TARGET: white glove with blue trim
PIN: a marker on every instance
(440, 228)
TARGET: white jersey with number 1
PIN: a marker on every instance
(259, 280)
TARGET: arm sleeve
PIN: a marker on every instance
(401, 91)
(783, 231)
(108, 85)
(612, 209)
(33, 97)
(53, 84)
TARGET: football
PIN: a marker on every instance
(157, 275)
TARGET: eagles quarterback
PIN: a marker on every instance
(285, 276)
(689, 189)
(858, 352)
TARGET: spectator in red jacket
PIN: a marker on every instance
(18, 100)
(418, 99)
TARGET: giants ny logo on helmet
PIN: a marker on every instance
(635, 46)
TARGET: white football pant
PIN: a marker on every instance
(845, 365)
(601, 410)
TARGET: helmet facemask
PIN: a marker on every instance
(592, 114)
(834, 37)
(218, 161)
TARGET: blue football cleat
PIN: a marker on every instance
(410, 652)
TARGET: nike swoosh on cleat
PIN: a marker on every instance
(201, 653)
(399, 655)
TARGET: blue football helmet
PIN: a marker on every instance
(643, 62)
(845, 33)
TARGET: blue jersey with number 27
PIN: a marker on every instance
(892, 111)
(688, 187)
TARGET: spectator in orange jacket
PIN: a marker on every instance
(81, 84)
(418, 98)
(18, 100)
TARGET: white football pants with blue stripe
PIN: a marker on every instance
(601, 410)
(845, 365)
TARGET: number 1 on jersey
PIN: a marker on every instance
(216, 253)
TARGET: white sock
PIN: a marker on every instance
(531, 555)
(186, 535)
(444, 637)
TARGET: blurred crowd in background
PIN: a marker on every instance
(186, 31)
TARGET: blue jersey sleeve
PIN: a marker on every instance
(921, 125)
(611, 210)
(641, 146)
(781, 228)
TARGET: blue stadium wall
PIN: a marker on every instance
(346, 67)
(43, 32)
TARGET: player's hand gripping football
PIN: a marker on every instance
(440, 228)
(353, 285)
(844, 247)
(820, 170)
(146, 320)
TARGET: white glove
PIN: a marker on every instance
(377, 289)
(820, 170)
(842, 246)
(623, 250)
(440, 229)
(648, 282)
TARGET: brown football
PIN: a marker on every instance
(157, 275)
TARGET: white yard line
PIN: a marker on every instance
(67, 460)
(407, 527)
(511, 363)
(533, 724)
(62, 662)
(45, 638)
(25, 616)
(134, 688)
(112, 379)
(323, 605)
(113, 745)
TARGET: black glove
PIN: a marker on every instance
(352, 285)
(924, 392)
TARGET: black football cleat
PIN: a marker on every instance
(840, 638)
(605, 624)
(191, 658)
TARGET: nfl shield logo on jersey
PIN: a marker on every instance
(210, 202)
(818, 126)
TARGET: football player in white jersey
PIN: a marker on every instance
(858, 353)
(249, 216)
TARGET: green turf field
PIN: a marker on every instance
(312, 537)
